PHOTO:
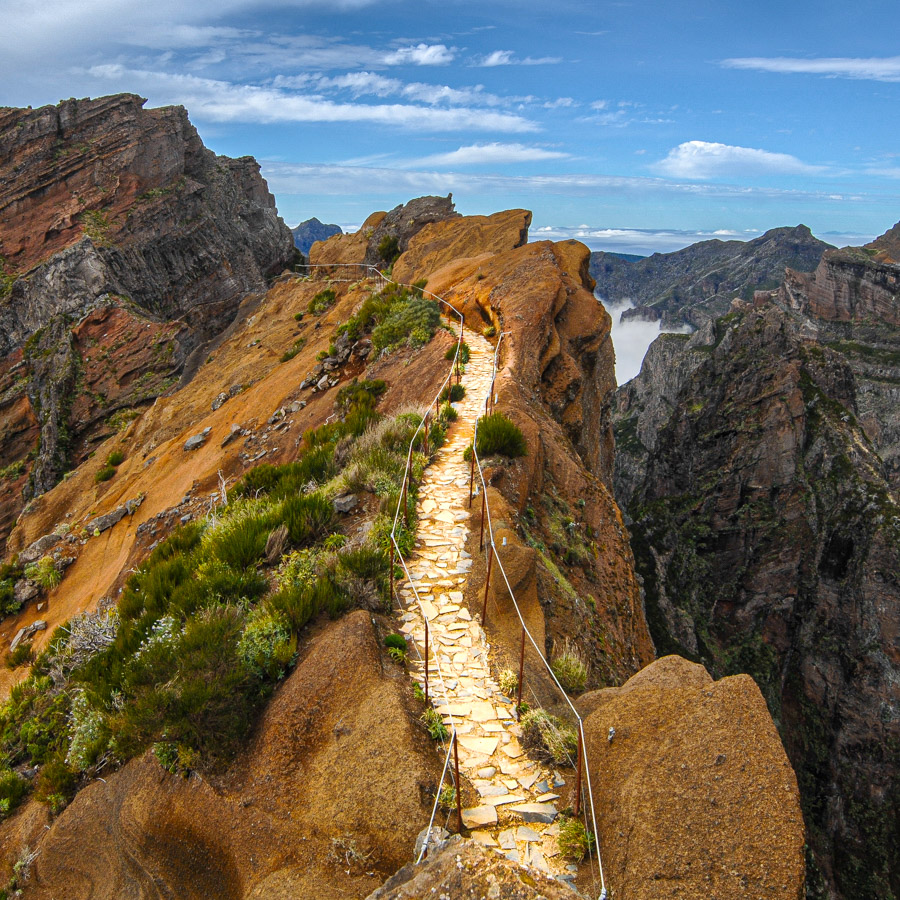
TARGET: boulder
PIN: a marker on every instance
(39, 548)
(694, 773)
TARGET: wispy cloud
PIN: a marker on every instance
(509, 58)
(702, 159)
(220, 101)
(486, 154)
(421, 55)
(874, 68)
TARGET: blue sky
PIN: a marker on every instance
(635, 126)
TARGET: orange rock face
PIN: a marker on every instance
(694, 794)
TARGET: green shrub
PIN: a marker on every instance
(104, 474)
(508, 681)
(447, 413)
(267, 645)
(23, 654)
(298, 316)
(288, 355)
(412, 322)
(360, 393)
(388, 248)
(54, 780)
(464, 353)
(434, 724)
(397, 641)
(321, 302)
(115, 458)
(307, 517)
(569, 667)
(489, 332)
(44, 572)
(498, 434)
(12, 789)
(548, 738)
(452, 393)
(241, 542)
(575, 841)
(397, 654)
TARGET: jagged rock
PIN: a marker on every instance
(102, 523)
(698, 283)
(322, 383)
(103, 200)
(699, 782)
(463, 868)
(24, 590)
(235, 389)
(436, 836)
(220, 399)
(402, 223)
(197, 441)
(310, 231)
(39, 548)
(233, 434)
(23, 634)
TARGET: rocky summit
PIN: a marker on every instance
(359, 577)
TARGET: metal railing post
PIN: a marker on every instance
(426, 661)
(458, 791)
(392, 573)
(521, 673)
(472, 475)
(481, 534)
(487, 584)
(577, 807)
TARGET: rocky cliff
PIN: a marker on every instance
(307, 233)
(699, 282)
(757, 459)
(115, 216)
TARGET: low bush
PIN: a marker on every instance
(321, 302)
(12, 789)
(464, 353)
(499, 434)
(308, 517)
(575, 841)
(434, 725)
(548, 738)
(115, 458)
(452, 393)
(569, 667)
(44, 572)
(489, 332)
(23, 654)
(508, 681)
(55, 780)
(395, 640)
(388, 248)
(104, 474)
(298, 345)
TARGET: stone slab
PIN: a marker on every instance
(479, 817)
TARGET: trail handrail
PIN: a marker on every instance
(435, 403)
(493, 550)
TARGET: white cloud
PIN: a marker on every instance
(508, 58)
(874, 68)
(493, 153)
(703, 159)
(421, 55)
(561, 103)
(220, 101)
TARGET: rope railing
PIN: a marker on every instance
(492, 554)
(396, 553)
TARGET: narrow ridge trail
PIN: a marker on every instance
(517, 812)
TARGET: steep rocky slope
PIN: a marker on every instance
(699, 282)
(757, 459)
(125, 245)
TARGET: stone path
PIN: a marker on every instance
(517, 812)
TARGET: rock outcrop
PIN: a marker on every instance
(383, 236)
(312, 230)
(325, 802)
(695, 795)
(116, 225)
(766, 532)
(699, 282)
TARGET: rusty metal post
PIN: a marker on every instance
(426, 662)
(481, 535)
(577, 808)
(472, 475)
(392, 573)
(458, 791)
(487, 584)
(405, 504)
(492, 397)
(425, 433)
(521, 671)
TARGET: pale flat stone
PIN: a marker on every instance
(485, 838)
(508, 767)
(524, 833)
(528, 780)
(546, 798)
(491, 790)
(512, 750)
(482, 712)
(492, 726)
(479, 817)
(484, 746)
(465, 615)
(503, 799)
(456, 596)
(429, 610)
(535, 812)
(507, 839)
